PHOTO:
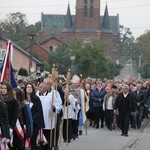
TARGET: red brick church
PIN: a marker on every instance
(87, 23)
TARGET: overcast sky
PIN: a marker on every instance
(134, 14)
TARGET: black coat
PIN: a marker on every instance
(13, 110)
(140, 98)
(37, 112)
(125, 105)
(4, 122)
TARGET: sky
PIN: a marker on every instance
(134, 14)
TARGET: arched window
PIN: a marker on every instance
(2, 53)
(91, 8)
(85, 8)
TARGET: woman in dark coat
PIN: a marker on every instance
(4, 122)
(23, 119)
(90, 113)
(12, 105)
(36, 109)
(98, 98)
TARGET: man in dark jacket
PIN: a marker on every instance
(98, 98)
(125, 105)
(140, 103)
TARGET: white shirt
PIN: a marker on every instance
(125, 95)
(49, 116)
(29, 103)
(68, 110)
(76, 109)
(110, 103)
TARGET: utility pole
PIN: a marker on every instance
(31, 38)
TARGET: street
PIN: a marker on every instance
(103, 139)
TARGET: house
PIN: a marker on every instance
(20, 58)
(51, 43)
(38, 51)
(87, 23)
(43, 50)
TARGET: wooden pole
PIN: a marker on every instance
(9, 59)
(85, 101)
(56, 82)
(68, 77)
(52, 104)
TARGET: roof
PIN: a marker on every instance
(22, 51)
(50, 20)
(52, 38)
(35, 43)
(114, 24)
(106, 21)
(53, 20)
(69, 23)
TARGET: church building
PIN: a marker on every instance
(87, 23)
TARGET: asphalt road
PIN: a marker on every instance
(103, 139)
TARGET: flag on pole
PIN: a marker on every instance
(7, 72)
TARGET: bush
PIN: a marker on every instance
(23, 72)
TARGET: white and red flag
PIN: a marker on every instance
(7, 73)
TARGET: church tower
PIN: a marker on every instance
(87, 14)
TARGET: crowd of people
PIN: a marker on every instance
(38, 116)
(119, 104)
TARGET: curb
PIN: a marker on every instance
(134, 142)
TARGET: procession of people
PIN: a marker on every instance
(39, 116)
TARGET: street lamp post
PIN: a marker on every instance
(72, 64)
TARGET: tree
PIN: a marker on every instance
(143, 44)
(91, 56)
(112, 69)
(16, 28)
(13, 25)
(88, 58)
(143, 58)
(60, 57)
(127, 45)
(145, 71)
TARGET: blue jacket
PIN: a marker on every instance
(98, 97)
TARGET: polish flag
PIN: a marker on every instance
(7, 73)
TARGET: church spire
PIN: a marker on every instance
(69, 23)
(106, 21)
